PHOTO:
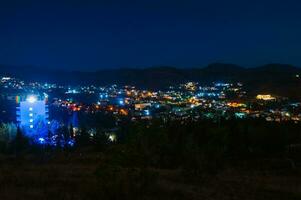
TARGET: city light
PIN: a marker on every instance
(178, 102)
(31, 99)
(41, 140)
(265, 97)
(112, 137)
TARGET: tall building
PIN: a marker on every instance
(32, 115)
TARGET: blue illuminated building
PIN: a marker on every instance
(32, 116)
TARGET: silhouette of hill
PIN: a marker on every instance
(278, 79)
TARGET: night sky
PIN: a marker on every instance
(112, 34)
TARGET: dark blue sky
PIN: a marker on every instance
(112, 34)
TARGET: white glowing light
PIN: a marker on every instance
(31, 120)
(30, 108)
(147, 112)
(31, 126)
(31, 99)
(41, 140)
(112, 138)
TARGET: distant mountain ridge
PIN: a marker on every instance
(279, 79)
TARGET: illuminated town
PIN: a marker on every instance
(66, 105)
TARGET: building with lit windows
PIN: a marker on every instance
(32, 115)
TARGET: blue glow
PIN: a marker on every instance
(240, 115)
(207, 94)
(71, 143)
(103, 95)
(220, 84)
(201, 94)
(147, 112)
(41, 140)
(32, 117)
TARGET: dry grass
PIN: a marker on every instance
(75, 176)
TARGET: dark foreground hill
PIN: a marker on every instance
(71, 176)
(273, 78)
(232, 159)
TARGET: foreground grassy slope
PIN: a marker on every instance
(88, 176)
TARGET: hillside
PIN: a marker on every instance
(275, 78)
